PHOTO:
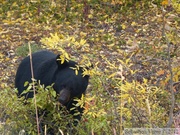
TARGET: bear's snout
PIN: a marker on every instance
(64, 96)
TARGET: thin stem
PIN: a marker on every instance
(34, 90)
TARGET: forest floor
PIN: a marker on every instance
(139, 31)
(138, 34)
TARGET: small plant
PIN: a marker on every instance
(19, 114)
(24, 49)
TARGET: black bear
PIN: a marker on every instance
(48, 69)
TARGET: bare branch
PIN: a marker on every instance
(169, 123)
(34, 90)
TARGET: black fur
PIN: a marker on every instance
(48, 69)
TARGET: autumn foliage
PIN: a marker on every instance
(132, 45)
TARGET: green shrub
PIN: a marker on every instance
(24, 49)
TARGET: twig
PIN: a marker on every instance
(61, 132)
(45, 130)
(169, 123)
(34, 90)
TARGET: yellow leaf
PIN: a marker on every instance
(111, 45)
(130, 100)
(76, 72)
(83, 34)
(123, 26)
(161, 72)
(76, 43)
(124, 96)
(34, 1)
(9, 14)
(14, 4)
(133, 23)
(73, 39)
(66, 56)
(112, 75)
(164, 2)
(90, 16)
(82, 42)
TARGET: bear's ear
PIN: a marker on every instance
(61, 63)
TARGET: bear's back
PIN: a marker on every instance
(24, 70)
